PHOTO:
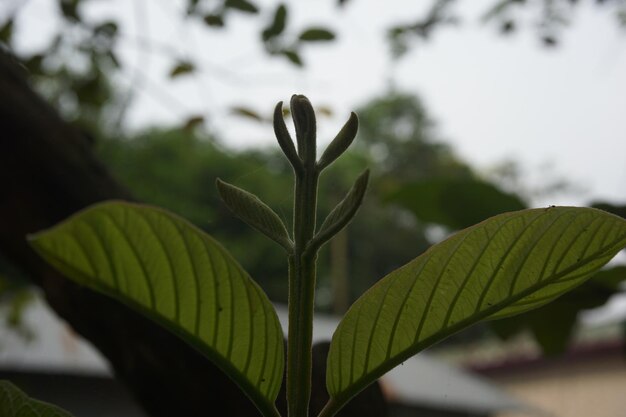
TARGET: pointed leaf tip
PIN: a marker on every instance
(342, 141)
(343, 213)
(249, 208)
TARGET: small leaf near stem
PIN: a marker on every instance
(342, 214)
(304, 121)
(284, 139)
(249, 208)
(341, 142)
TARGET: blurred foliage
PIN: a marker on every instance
(554, 335)
(75, 68)
(547, 18)
(456, 203)
(16, 294)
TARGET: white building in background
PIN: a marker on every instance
(59, 367)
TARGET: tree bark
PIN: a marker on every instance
(48, 172)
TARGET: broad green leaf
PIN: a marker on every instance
(15, 403)
(315, 34)
(255, 212)
(503, 266)
(175, 274)
(455, 203)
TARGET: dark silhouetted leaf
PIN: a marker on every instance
(182, 68)
(193, 122)
(455, 203)
(292, 56)
(315, 34)
(241, 5)
(214, 20)
(277, 26)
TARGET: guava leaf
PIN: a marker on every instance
(504, 266)
(15, 403)
(249, 208)
(175, 274)
(341, 215)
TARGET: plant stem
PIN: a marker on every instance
(302, 274)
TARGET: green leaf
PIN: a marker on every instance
(341, 215)
(278, 24)
(247, 113)
(292, 56)
(182, 68)
(6, 32)
(193, 122)
(255, 212)
(214, 20)
(175, 274)
(315, 34)
(503, 266)
(455, 203)
(342, 141)
(15, 403)
(241, 5)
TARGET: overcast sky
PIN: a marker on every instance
(493, 97)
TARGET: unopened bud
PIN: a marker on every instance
(304, 121)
